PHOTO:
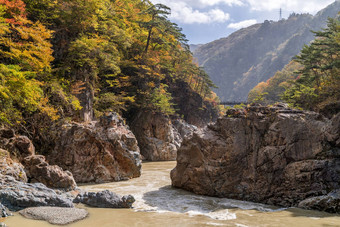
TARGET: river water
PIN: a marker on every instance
(157, 204)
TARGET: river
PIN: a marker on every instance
(157, 204)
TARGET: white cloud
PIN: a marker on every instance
(310, 6)
(216, 2)
(242, 24)
(181, 11)
(210, 11)
(201, 3)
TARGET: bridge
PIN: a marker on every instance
(232, 103)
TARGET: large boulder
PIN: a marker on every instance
(104, 199)
(272, 155)
(16, 195)
(157, 138)
(10, 167)
(18, 146)
(4, 212)
(55, 215)
(38, 170)
(98, 151)
(329, 203)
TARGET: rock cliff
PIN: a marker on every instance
(159, 136)
(272, 155)
(98, 152)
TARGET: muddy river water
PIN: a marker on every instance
(157, 204)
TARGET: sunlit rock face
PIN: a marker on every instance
(98, 152)
(272, 155)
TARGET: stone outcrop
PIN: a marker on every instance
(55, 215)
(38, 170)
(4, 212)
(184, 129)
(104, 199)
(329, 203)
(157, 139)
(98, 151)
(27, 166)
(272, 155)
(18, 146)
(10, 167)
(16, 195)
(191, 106)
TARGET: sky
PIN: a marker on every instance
(204, 21)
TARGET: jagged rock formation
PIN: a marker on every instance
(39, 171)
(98, 151)
(159, 136)
(19, 146)
(254, 54)
(20, 162)
(105, 199)
(17, 195)
(272, 155)
(4, 212)
(157, 139)
(10, 167)
(191, 106)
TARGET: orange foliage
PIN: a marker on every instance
(14, 8)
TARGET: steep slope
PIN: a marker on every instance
(252, 55)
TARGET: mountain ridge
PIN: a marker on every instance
(239, 62)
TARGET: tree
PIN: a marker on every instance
(158, 14)
(318, 83)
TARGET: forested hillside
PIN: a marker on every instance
(77, 60)
(254, 54)
(312, 80)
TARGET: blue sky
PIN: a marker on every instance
(207, 20)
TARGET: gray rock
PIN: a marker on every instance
(10, 167)
(55, 215)
(270, 155)
(185, 129)
(329, 203)
(155, 135)
(4, 212)
(104, 199)
(17, 195)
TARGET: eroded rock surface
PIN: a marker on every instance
(18, 146)
(157, 138)
(270, 155)
(38, 170)
(105, 199)
(98, 151)
(329, 203)
(16, 195)
(10, 167)
(4, 212)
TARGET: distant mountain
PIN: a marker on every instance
(251, 55)
(194, 47)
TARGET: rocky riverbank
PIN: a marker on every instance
(96, 152)
(272, 155)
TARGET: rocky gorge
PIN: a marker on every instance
(273, 155)
(93, 152)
